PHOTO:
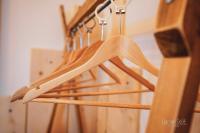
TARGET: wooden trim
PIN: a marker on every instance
(177, 35)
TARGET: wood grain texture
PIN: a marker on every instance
(178, 38)
(116, 61)
(174, 71)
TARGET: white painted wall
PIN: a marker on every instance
(27, 24)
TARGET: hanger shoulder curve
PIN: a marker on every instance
(132, 52)
(109, 49)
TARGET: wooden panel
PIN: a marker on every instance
(12, 116)
(174, 75)
(38, 117)
(43, 61)
(178, 38)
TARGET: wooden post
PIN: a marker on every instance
(177, 35)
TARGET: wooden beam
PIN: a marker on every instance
(198, 98)
(85, 10)
(177, 35)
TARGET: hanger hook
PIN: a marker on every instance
(102, 20)
(120, 10)
(89, 30)
(80, 35)
(73, 39)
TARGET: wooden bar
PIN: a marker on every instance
(82, 87)
(99, 104)
(93, 103)
(113, 92)
(111, 74)
(117, 62)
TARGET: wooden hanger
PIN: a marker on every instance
(87, 52)
(70, 58)
(118, 46)
(112, 49)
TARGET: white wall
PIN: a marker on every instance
(27, 24)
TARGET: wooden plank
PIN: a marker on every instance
(43, 62)
(174, 74)
(59, 120)
(178, 38)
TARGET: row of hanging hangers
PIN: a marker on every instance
(55, 87)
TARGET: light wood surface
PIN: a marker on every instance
(177, 35)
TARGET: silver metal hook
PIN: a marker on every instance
(102, 21)
(89, 30)
(80, 37)
(120, 10)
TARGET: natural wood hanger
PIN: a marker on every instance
(69, 59)
(118, 46)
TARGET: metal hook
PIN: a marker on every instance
(89, 30)
(80, 36)
(120, 10)
(102, 21)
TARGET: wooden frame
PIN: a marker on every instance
(177, 36)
